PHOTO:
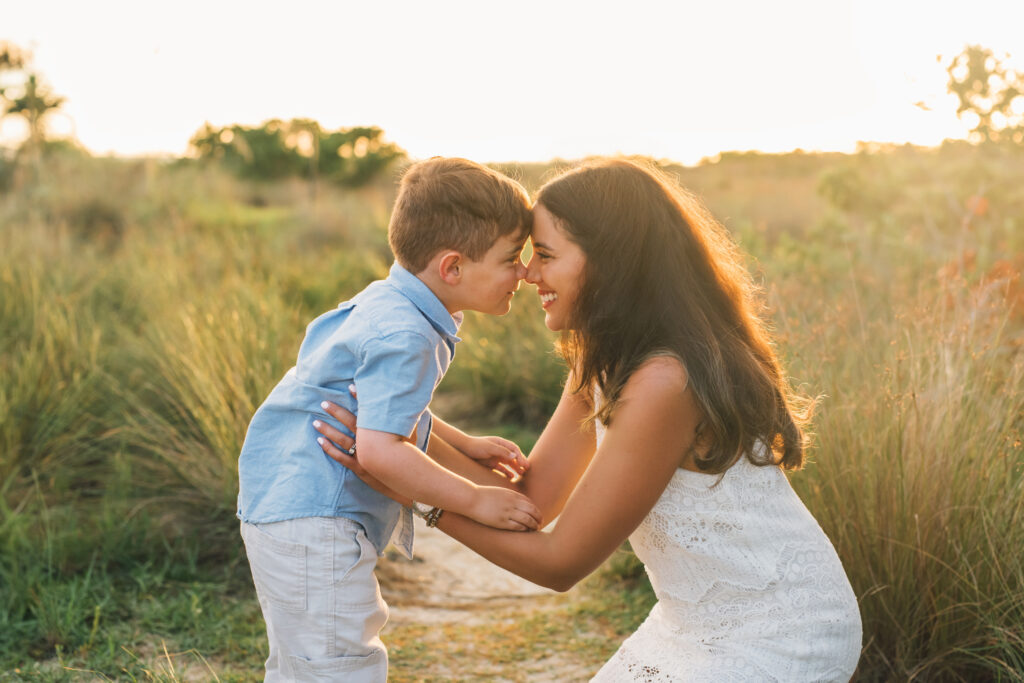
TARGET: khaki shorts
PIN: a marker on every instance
(320, 599)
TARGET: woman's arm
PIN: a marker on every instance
(560, 456)
(654, 428)
(652, 431)
(557, 461)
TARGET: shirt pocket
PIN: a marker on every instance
(278, 568)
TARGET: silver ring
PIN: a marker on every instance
(352, 451)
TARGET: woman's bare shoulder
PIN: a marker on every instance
(657, 403)
(659, 376)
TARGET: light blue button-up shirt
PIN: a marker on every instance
(394, 341)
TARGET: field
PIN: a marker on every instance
(147, 307)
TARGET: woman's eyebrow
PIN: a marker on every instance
(541, 245)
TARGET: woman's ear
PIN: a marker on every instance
(450, 267)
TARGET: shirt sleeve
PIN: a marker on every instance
(423, 429)
(395, 381)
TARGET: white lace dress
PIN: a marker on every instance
(749, 587)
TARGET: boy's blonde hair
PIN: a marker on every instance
(448, 203)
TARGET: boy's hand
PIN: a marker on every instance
(504, 509)
(497, 453)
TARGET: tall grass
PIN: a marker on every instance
(918, 480)
(146, 310)
(915, 337)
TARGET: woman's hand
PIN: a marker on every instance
(339, 446)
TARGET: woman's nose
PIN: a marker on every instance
(532, 271)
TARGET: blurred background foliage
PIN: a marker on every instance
(990, 93)
(148, 306)
(279, 149)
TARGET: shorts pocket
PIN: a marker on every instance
(371, 668)
(358, 585)
(278, 567)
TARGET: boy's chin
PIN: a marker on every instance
(494, 310)
(500, 308)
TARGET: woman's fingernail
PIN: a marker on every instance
(351, 388)
(318, 424)
(324, 404)
(320, 440)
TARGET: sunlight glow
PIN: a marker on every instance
(568, 79)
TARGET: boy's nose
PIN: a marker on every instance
(520, 272)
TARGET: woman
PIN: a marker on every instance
(673, 430)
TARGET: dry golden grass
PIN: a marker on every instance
(146, 309)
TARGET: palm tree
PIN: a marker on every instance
(35, 104)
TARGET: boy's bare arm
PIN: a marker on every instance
(454, 460)
(493, 451)
(450, 433)
(404, 468)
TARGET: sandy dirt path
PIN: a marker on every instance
(448, 584)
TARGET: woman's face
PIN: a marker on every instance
(556, 268)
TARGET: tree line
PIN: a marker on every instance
(300, 147)
(273, 150)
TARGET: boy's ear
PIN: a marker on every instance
(450, 267)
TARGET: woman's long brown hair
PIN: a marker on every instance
(663, 277)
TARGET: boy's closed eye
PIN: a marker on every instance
(513, 256)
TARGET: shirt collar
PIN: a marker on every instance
(426, 301)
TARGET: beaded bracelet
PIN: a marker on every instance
(433, 516)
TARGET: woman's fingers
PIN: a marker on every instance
(341, 456)
(340, 414)
(336, 435)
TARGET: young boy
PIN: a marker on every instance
(312, 529)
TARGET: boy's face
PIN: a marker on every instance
(491, 282)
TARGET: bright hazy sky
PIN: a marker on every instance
(513, 80)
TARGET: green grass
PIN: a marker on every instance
(91, 588)
(147, 308)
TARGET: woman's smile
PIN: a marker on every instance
(556, 268)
